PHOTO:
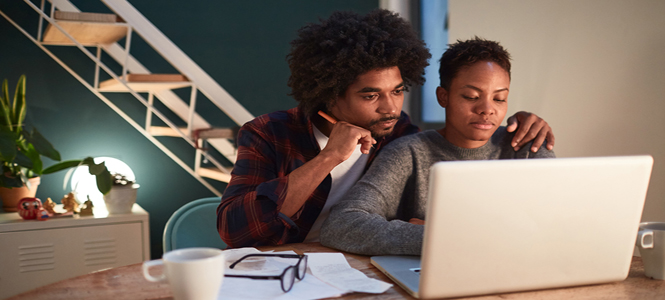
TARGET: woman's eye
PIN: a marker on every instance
(500, 100)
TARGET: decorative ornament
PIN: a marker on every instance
(31, 209)
(49, 206)
(69, 203)
(87, 208)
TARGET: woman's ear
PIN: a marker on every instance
(442, 96)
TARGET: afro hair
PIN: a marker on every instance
(328, 56)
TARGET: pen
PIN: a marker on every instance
(327, 117)
(332, 120)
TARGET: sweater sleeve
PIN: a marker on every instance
(365, 220)
(249, 212)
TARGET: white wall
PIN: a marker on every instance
(595, 70)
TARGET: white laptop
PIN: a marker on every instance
(501, 226)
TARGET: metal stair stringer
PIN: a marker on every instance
(185, 65)
(195, 77)
(113, 106)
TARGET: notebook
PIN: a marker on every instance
(501, 226)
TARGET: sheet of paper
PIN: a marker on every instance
(251, 265)
(332, 268)
(248, 289)
(244, 288)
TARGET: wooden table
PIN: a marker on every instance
(128, 283)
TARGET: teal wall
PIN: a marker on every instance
(241, 44)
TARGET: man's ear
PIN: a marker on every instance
(442, 96)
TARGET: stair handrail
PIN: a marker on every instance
(185, 65)
(104, 99)
(189, 68)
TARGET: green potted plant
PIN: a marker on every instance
(122, 196)
(21, 151)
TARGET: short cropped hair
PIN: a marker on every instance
(466, 53)
(328, 56)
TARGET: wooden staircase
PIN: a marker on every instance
(67, 26)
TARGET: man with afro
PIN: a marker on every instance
(293, 165)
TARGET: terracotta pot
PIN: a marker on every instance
(11, 197)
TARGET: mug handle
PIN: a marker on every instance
(152, 263)
(641, 236)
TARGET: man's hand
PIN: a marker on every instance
(344, 138)
(531, 127)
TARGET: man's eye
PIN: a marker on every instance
(469, 97)
(398, 92)
(500, 100)
(370, 97)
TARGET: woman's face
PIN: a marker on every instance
(475, 105)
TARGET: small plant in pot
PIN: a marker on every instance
(122, 195)
(21, 151)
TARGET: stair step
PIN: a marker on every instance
(88, 29)
(219, 133)
(86, 17)
(165, 131)
(146, 83)
(216, 174)
(212, 133)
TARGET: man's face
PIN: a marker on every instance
(476, 104)
(374, 101)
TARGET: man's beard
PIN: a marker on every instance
(383, 133)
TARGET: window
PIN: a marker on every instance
(434, 31)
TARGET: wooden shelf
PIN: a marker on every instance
(166, 131)
(215, 174)
(204, 134)
(146, 83)
(88, 29)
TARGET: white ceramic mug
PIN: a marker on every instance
(651, 242)
(192, 273)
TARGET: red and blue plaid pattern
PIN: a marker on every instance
(269, 148)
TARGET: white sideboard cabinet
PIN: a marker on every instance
(35, 253)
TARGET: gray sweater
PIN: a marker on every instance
(372, 218)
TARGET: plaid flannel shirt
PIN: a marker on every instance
(269, 148)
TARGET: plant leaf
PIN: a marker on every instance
(25, 180)
(18, 107)
(23, 160)
(5, 118)
(7, 144)
(63, 165)
(103, 181)
(33, 155)
(102, 174)
(6, 109)
(5, 102)
(42, 146)
(11, 181)
(96, 169)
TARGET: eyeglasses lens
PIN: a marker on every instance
(302, 268)
(288, 278)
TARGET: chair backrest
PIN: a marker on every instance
(194, 225)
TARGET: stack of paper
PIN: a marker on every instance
(328, 275)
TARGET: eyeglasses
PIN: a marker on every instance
(287, 278)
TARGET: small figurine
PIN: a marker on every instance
(87, 208)
(49, 206)
(43, 215)
(31, 208)
(69, 203)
